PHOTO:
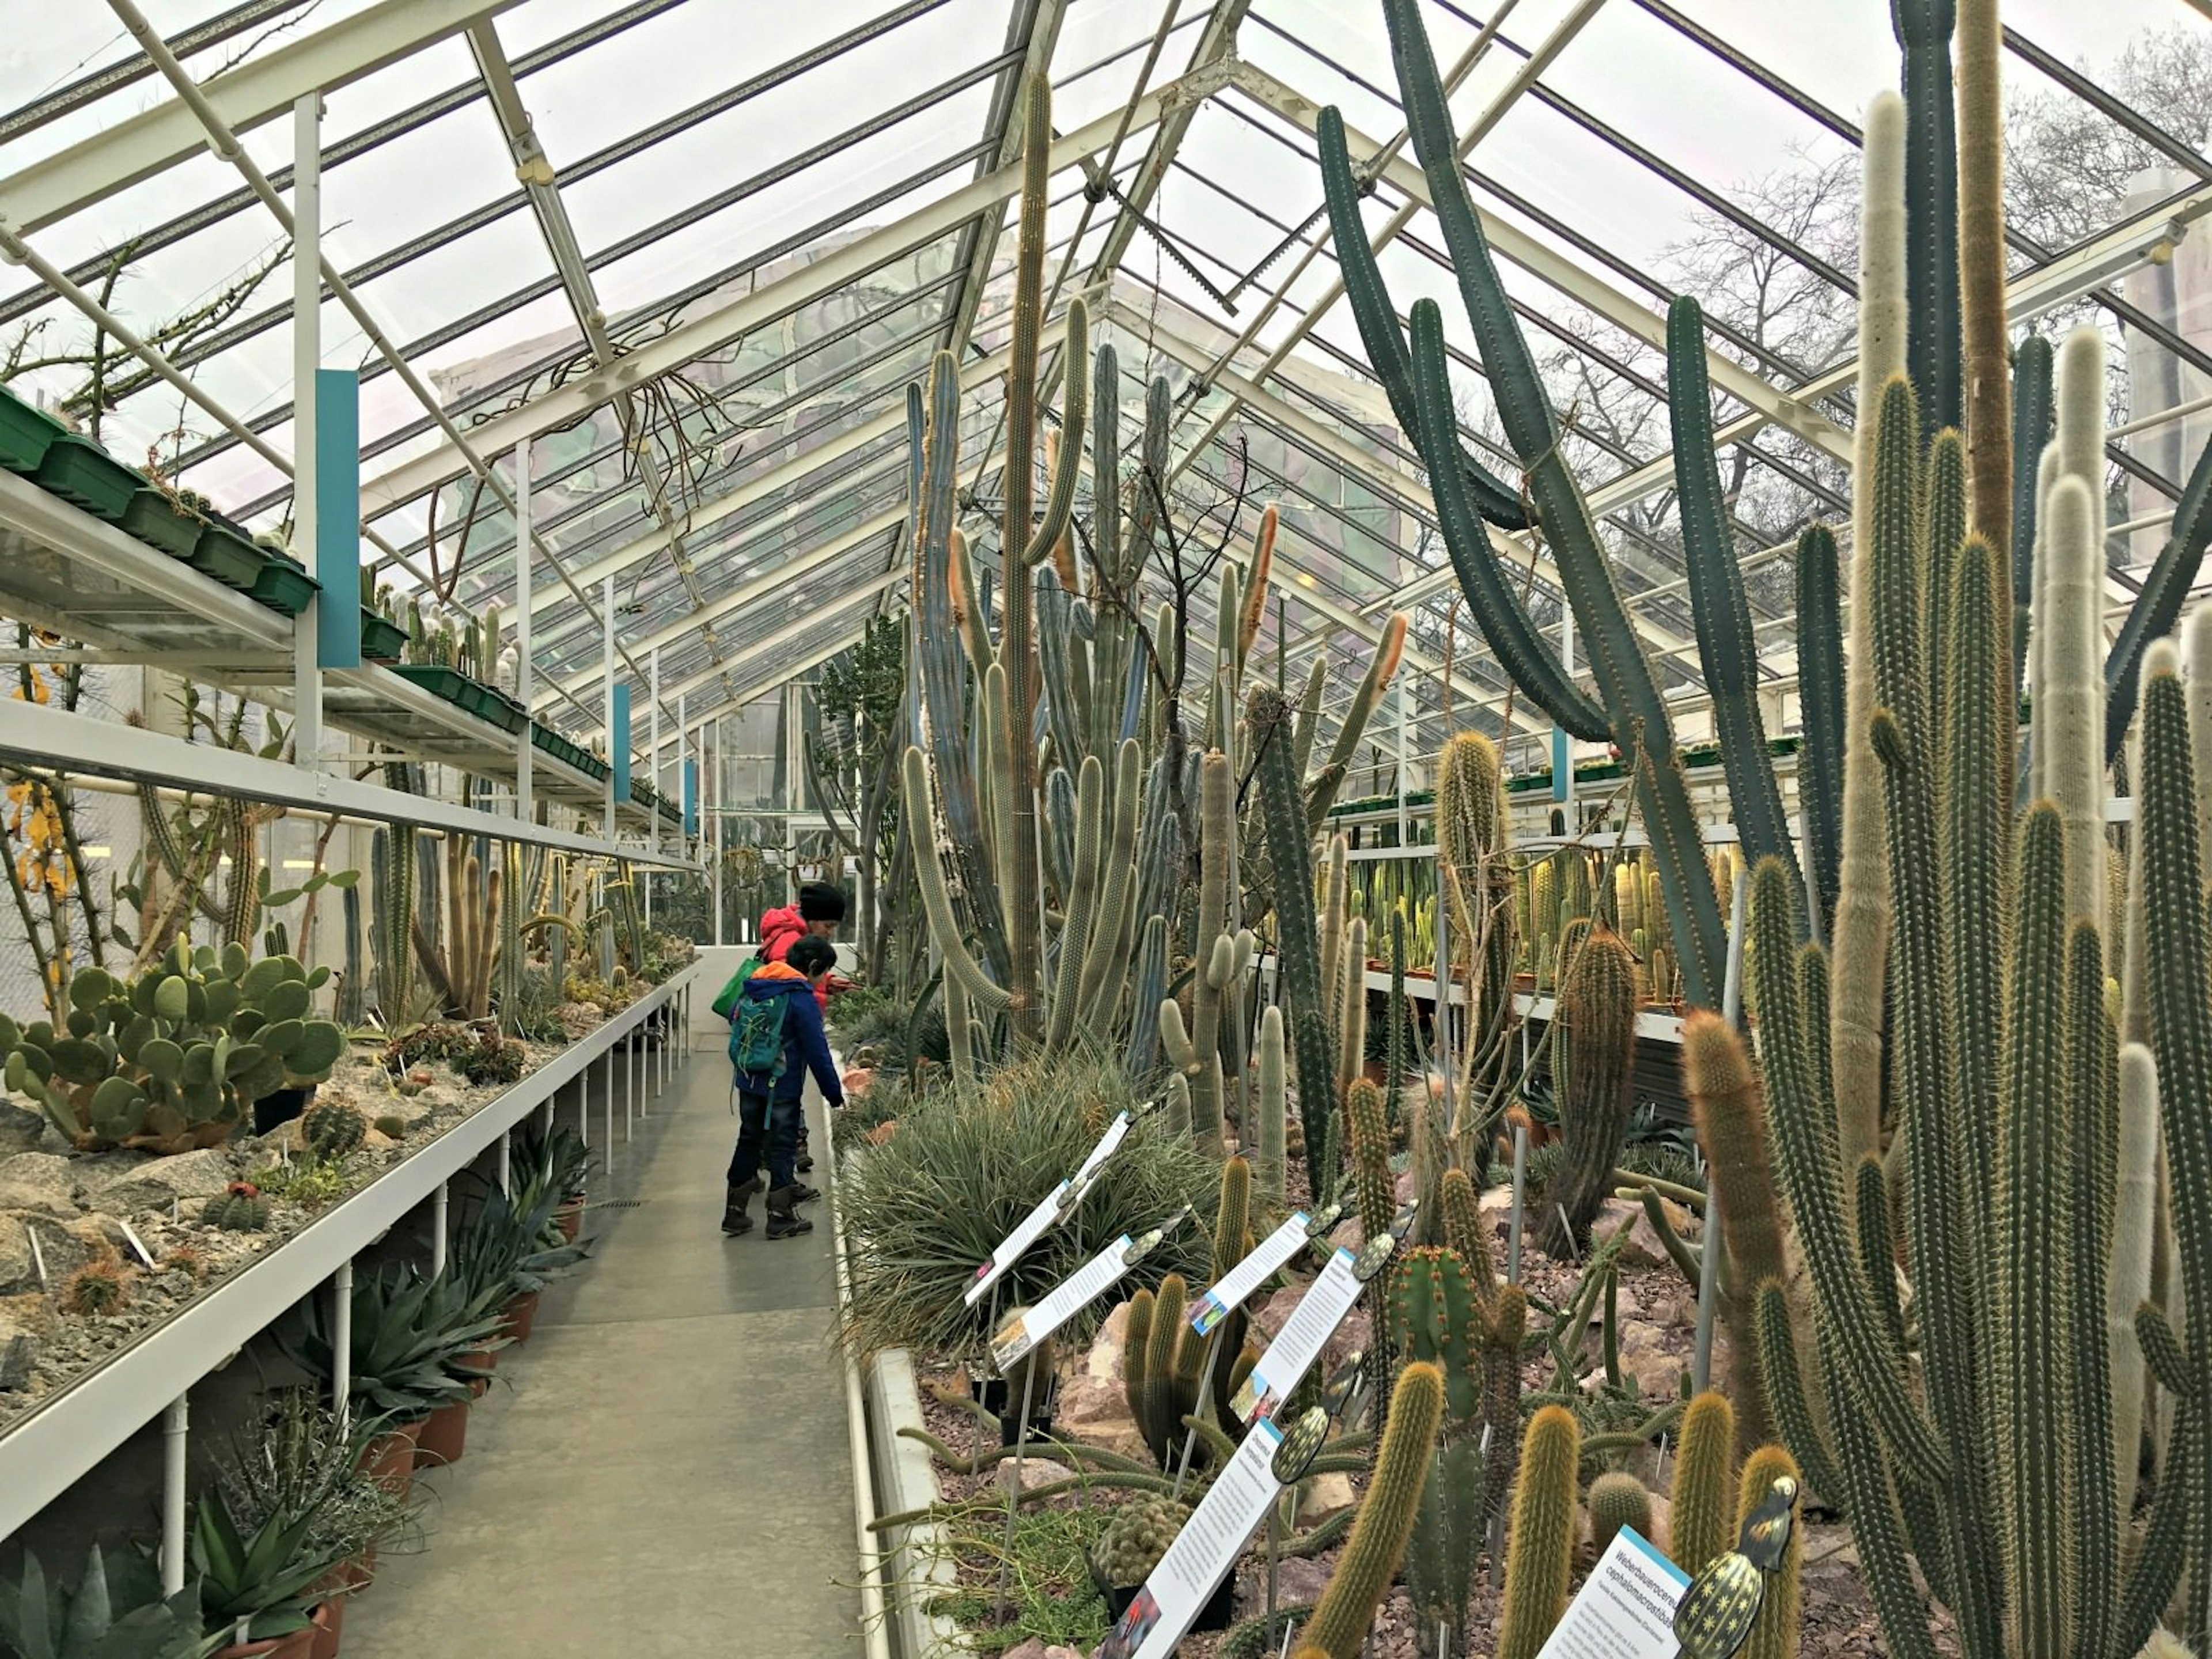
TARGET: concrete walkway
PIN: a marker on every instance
(663, 1468)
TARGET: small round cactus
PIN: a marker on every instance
(1135, 1539)
(99, 1287)
(331, 1128)
(239, 1208)
(391, 1127)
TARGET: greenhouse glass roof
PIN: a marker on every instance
(693, 252)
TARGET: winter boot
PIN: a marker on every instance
(804, 1193)
(737, 1211)
(784, 1220)
(806, 1162)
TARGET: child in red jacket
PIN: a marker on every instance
(820, 910)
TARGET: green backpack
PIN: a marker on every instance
(757, 1034)
(725, 1000)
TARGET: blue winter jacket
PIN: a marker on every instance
(805, 1043)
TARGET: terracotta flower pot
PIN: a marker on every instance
(445, 1435)
(300, 1644)
(483, 1361)
(521, 1317)
(569, 1218)
(330, 1624)
(389, 1458)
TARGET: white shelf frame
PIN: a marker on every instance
(69, 1433)
(34, 735)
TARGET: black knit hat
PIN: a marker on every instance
(819, 901)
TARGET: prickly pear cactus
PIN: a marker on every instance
(176, 1058)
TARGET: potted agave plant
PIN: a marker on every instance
(301, 1460)
(409, 1334)
(117, 1611)
(259, 1594)
(556, 1159)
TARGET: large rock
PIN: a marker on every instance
(40, 1182)
(1034, 1648)
(1297, 1579)
(1269, 1317)
(1644, 1355)
(1093, 1404)
(1644, 1247)
(18, 1268)
(20, 1129)
(18, 1352)
(1034, 1472)
(1325, 1495)
(156, 1183)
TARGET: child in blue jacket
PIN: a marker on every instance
(769, 1108)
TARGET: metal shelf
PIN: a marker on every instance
(69, 1433)
(35, 735)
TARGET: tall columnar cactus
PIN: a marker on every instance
(1731, 1122)
(1282, 813)
(352, 1001)
(1593, 1068)
(1539, 1543)
(1635, 714)
(1352, 1006)
(1162, 1369)
(1385, 1520)
(1617, 1499)
(1821, 690)
(392, 860)
(1701, 1519)
(1774, 1636)
(1463, 1229)
(1728, 651)
(1472, 833)
(1271, 1107)
(1373, 1187)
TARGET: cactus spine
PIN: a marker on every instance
(1594, 1056)
(1539, 1543)
(1774, 1636)
(1373, 1187)
(1386, 1516)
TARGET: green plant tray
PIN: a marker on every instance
(381, 641)
(499, 709)
(26, 435)
(448, 685)
(228, 557)
(283, 586)
(151, 519)
(84, 475)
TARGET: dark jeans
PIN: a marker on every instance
(767, 1133)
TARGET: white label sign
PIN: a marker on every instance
(1248, 1275)
(1626, 1608)
(1032, 1228)
(1065, 1300)
(1202, 1554)
(1116, 1132)
(1299, 1343)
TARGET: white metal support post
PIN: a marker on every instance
(174, 1422)
(653, 717)
(439, 1208)
(342, 1341)
(711, 785)
(607, 691)
(607, 1109)
(506, 1162)
(306, 358)
(525, 807)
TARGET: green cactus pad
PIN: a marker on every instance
(91, 987)
(76, 1060)
(234, 960)
(263, 977)
(118, 1107)
(318, 1051)
(281, 1037)
(198, 1065)
(287, 1000)
(222, 1000)
(173, 998)
(161, 1058)
(81, 1023)
(37, 1062)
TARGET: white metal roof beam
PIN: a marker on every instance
(809, 626)
(257, 90)
(718, 323)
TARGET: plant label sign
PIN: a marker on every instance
(1203, 1553)
(1248, 1275)
(1062, 1304)
(1626, 1608)
(1299, 1343)
(1116, 1132)
(1033, 1226)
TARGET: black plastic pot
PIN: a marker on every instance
(1220, 1610)
(990, 1393)
(271, 1111)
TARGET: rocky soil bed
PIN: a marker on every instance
(1656, 1312)
(62, 1210)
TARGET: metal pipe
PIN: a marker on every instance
(306, 361)
(525, 806)
(342, 1341)
(506, 1164)
(440, 1201)
(174, 1422)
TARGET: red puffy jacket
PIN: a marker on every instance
(780, 929)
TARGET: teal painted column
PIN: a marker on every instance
(619, 742)
(1561, 777)
(338, 517)
(690, 798)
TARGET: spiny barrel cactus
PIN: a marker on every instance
(239, 1208)
(331, 1128)
(1136, 1539)
(1385, 1521)
(176, 1058)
